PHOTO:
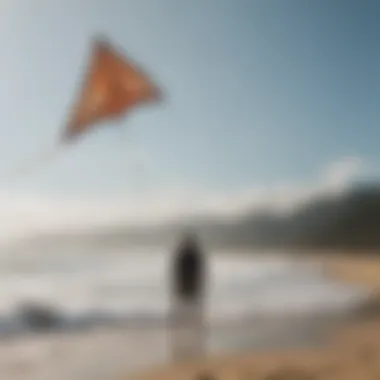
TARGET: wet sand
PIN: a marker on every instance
(354, 354)
(98, 354)
(109, 353)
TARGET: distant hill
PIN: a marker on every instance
(350, 221)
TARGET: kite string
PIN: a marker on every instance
(42, 158)
(140, 170)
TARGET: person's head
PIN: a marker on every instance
(189, 240)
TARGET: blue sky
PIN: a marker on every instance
(258, 92)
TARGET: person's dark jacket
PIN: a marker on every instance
(188, 271)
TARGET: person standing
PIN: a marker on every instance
(188, 292)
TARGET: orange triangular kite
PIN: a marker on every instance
(112, 87)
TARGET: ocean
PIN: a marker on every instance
(137, 282)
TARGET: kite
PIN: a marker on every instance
(112, 87)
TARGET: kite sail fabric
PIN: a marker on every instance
(113, 87)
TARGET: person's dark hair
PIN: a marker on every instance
(190, 240)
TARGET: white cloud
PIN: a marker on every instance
(21, 215)
(344, 171)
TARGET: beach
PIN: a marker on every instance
(114, 325)
(110, 353)
(350, 349)
(95, 354)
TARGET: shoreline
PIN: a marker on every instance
(81, 355)
(258, 344)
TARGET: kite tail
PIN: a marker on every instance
(43, 158)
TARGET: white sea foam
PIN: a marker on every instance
(138, 282)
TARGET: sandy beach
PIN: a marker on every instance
(350, 351)
(88, 355)
(104, 353)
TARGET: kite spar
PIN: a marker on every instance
(112, 87)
